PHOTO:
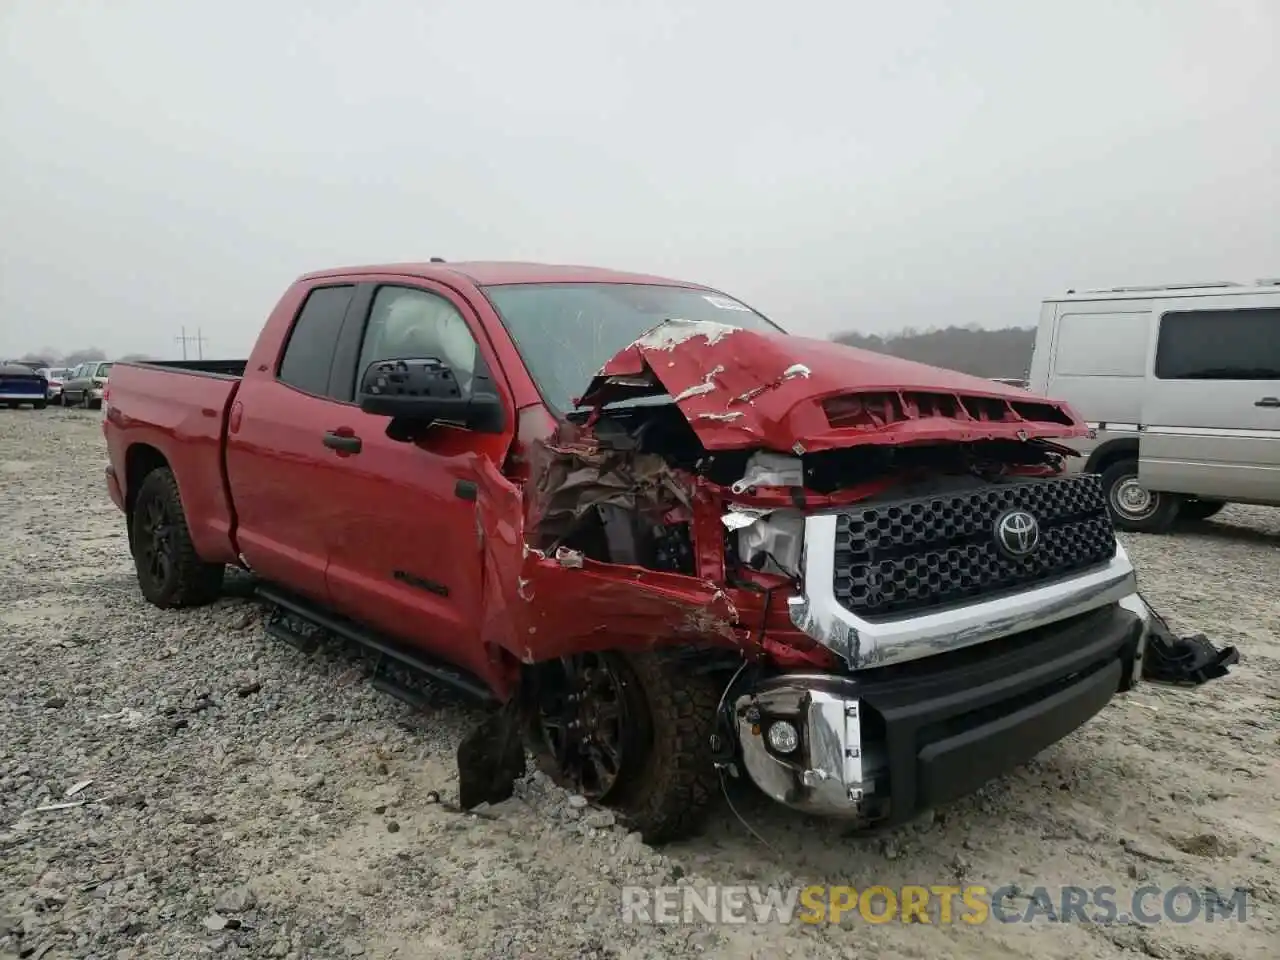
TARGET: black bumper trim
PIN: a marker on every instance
(957, 765)
(953, 724)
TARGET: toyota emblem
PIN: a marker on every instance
(1017, 534)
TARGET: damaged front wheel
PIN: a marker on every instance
(632, 732)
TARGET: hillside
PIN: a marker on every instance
(983, 353)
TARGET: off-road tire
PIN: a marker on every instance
(1158, 519)
(666, 795)
(1194, 511)
(189, 582)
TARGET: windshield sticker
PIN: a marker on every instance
(724, 303)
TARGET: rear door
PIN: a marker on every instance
(1211, 416)
(406, 549)
(282, 465)
(1098, 362)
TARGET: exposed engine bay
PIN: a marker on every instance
(628, 485)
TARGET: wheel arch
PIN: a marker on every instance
(140, 460)
(1113, 451)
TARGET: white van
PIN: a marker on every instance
(1181, 385)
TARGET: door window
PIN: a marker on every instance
(309, 353)
(1219, 345)
(410, 324)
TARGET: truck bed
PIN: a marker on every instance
(180, 409)
(226, 368)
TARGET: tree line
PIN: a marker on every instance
(970, 349)
(55, 358)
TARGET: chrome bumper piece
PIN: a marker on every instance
(827, 773)
(865, 643)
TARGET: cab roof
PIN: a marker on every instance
(494, 273)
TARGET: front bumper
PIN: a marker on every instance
(883, 745)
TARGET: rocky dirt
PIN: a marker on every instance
(239, 797)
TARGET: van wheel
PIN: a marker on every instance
(631, 732)
(1132, 506)
(1194, 510)
(170, 572)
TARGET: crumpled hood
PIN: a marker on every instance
(741, 388)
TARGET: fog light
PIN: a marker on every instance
(783, 736)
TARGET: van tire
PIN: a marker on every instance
(668, 782)
(1131, 507)
(1195, 510)
(170, 572)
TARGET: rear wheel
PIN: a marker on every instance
(1194, 509)
(170, 572)
(40, 404)
(631, 732)
(1133, 506)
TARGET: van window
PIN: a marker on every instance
(1219, 345)
(1102, 345)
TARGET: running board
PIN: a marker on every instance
(459, 680)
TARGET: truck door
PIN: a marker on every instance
(282, 465)
(405, 550)
(1211, 417)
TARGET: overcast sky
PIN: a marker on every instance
(840, 165)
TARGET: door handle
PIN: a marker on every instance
(343, 443)
(1268, 402)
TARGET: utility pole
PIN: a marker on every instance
(198, 339)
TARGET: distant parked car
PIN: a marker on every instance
(85, 385)
(20, 384)
(56, 376)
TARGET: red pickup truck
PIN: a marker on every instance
(670, 540)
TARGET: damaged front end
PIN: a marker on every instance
(922, 594)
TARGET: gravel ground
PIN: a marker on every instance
(246, 799)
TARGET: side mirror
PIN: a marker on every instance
(418, 393)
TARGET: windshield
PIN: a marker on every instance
(567, 331)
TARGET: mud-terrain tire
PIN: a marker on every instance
(668, 782)
(170, 572)
(1133, 508)
(1194, 511)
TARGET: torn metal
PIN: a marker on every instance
(743, 388)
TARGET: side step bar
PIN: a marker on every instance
(459, 680)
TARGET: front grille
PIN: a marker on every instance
(911, 555)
